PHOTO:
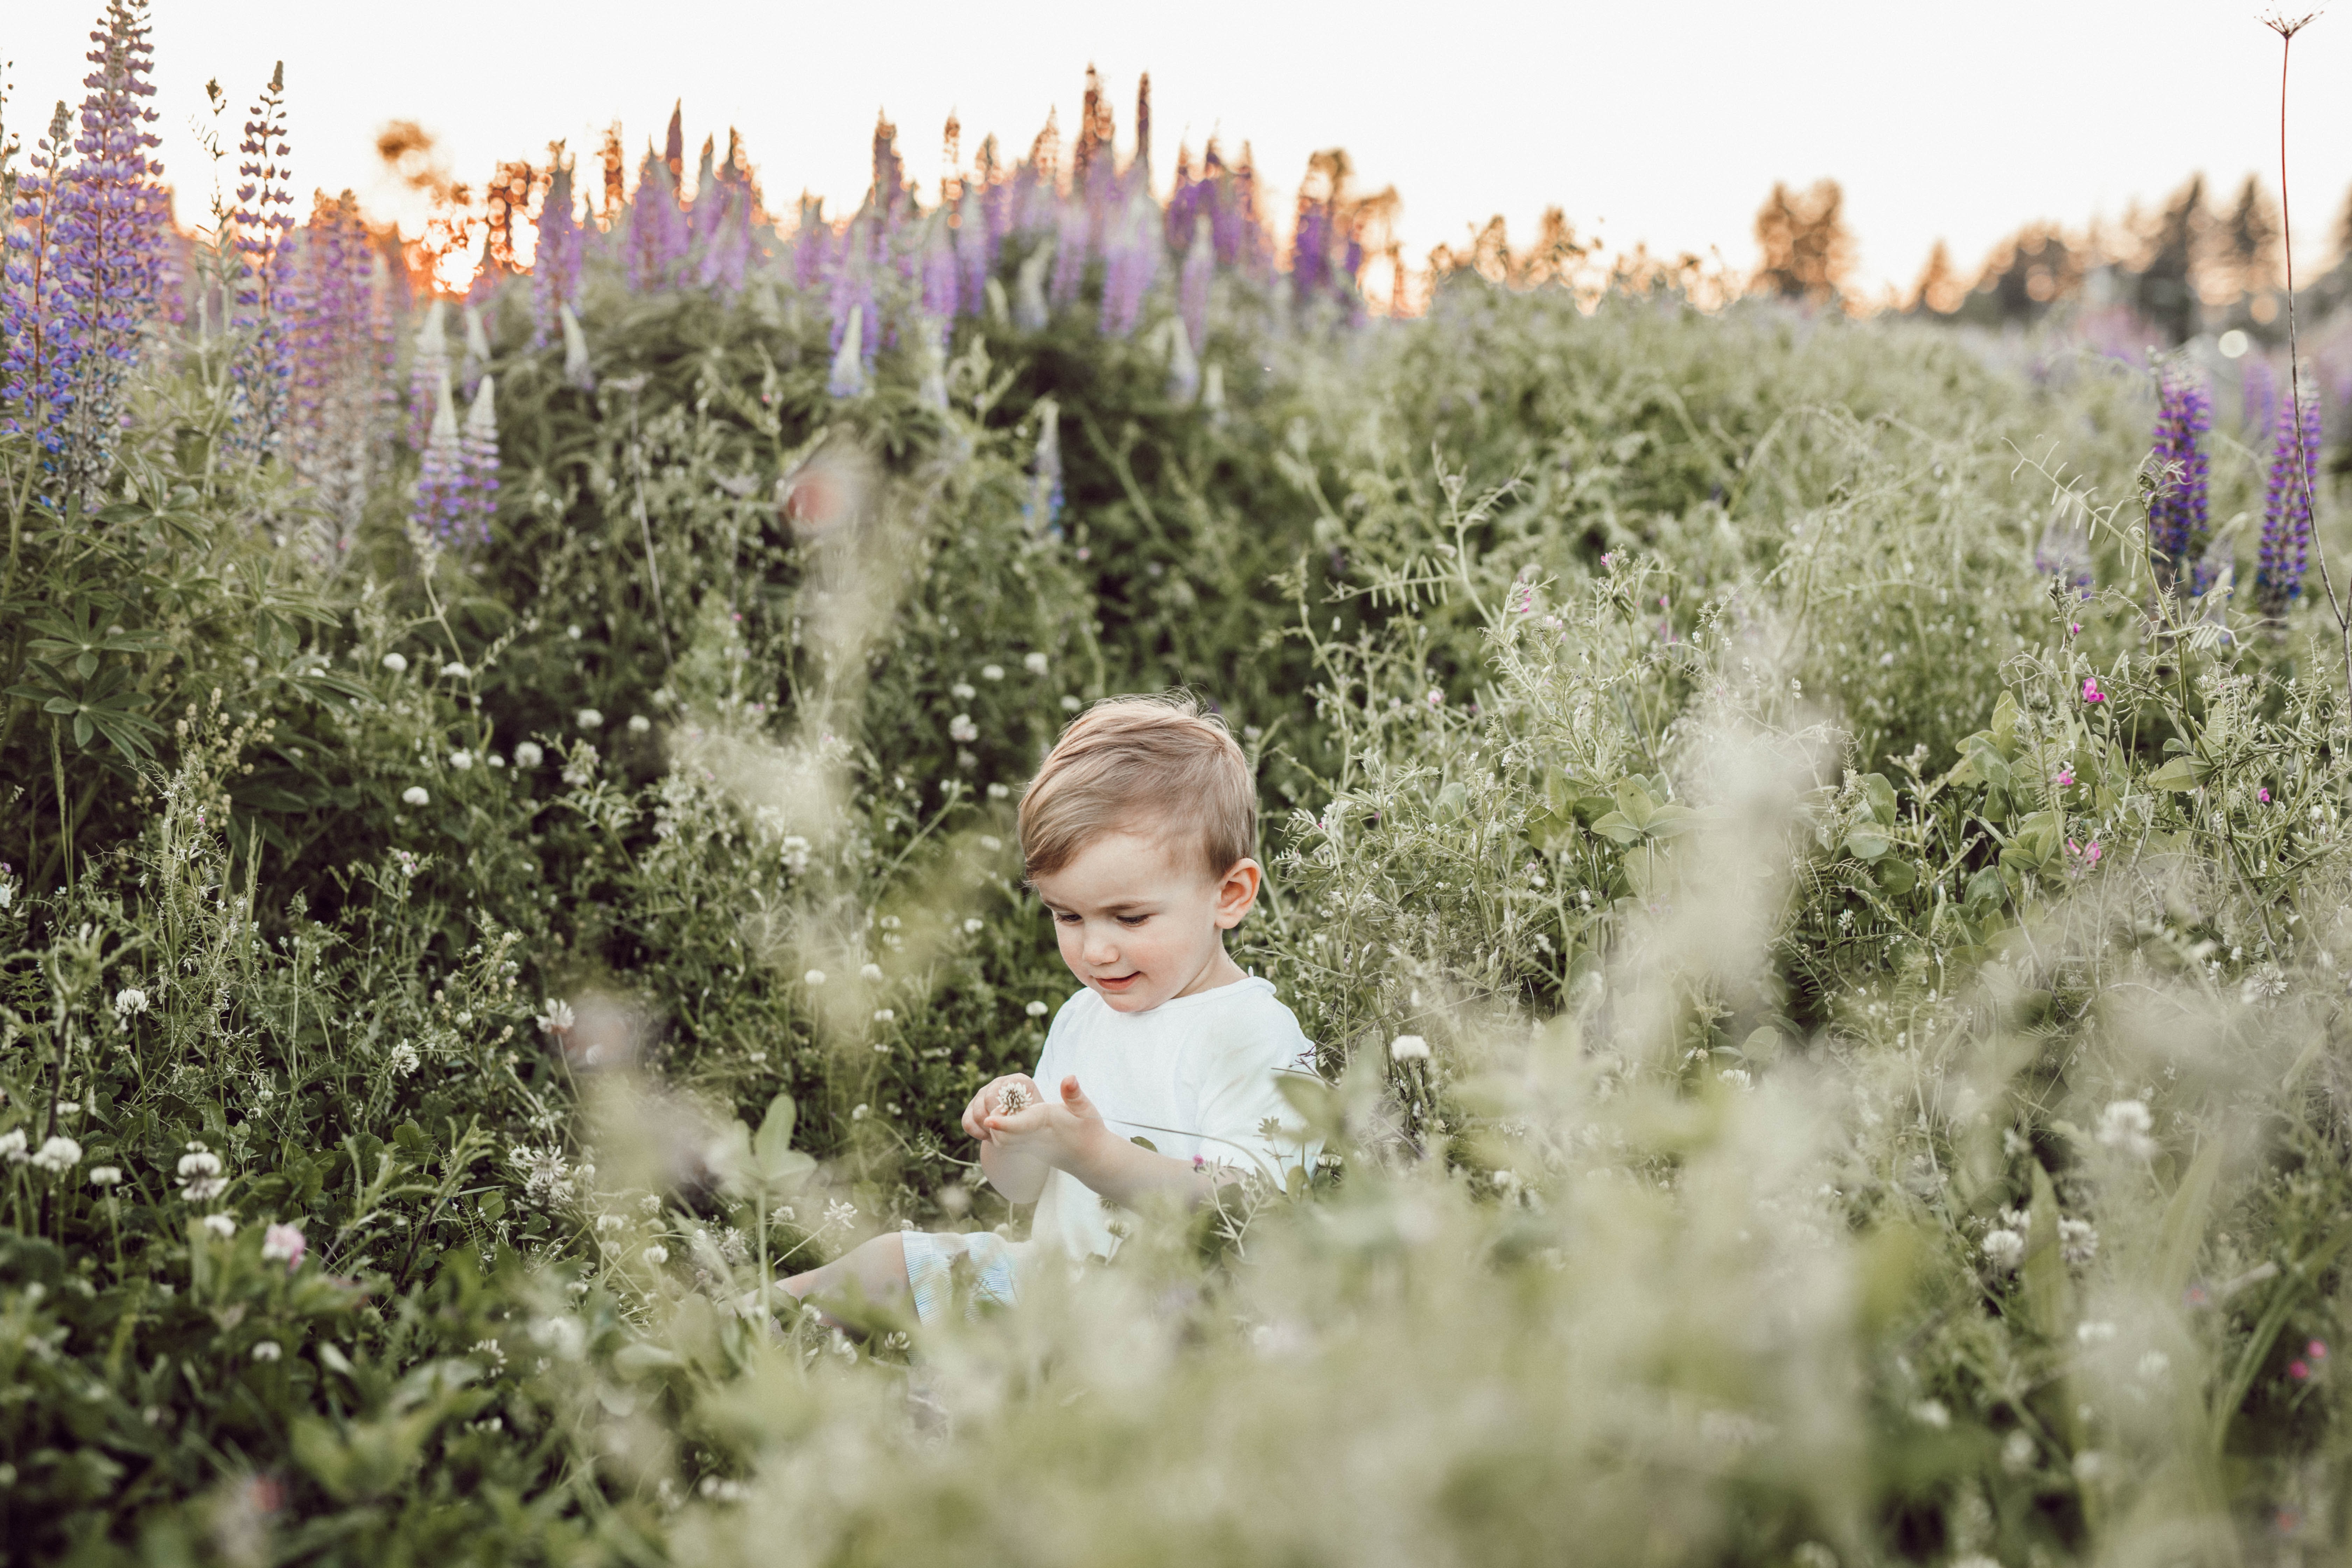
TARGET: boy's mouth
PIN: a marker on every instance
(1118, 982)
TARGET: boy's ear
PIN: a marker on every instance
(1237, 892)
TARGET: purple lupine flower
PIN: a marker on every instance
(1184, 202)
(2177, 520)
(556, 266)
(578, 369)
(1192, 284)
(34, 390)
(477, 476)
(341, 364)
(2286, 509)
(889, 193)
(1132, 265)
(1069, 256)
(813, 246)
(111, 219)
(847, 376)
(440, 506)
(728, 261)
(853, 291)
(262, 299)
(428, 364)
(657, 235)
(940, 286)
(975, 257)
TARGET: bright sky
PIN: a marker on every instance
(1663, 123)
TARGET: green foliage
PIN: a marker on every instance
(1830, 1038)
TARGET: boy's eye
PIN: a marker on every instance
(1066, 918)
(1133, 920)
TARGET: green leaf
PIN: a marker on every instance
(779, 1164)
(1864, 844)
(1881, 796)
(1897, 875)
(1617, 828)
(2180, 774)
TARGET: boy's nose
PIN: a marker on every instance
(1100, 950)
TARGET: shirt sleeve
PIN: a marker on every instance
(1236, 1073)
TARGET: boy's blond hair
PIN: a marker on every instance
(1161, 766)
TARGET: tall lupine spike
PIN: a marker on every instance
(577, 369)
(1042, 511)
(941, 291)
(261, 303)
(112, 218)
(478, 495)
(1192, 284)
(813, 246)
(428, 367)
(1132, 266)
(726, 257)
(1139, 172)
(2178, 518)
(34, 389)
(2286, 510)
(657, 238)
(476, 363)
(1070, 256)
(440, 507)
(341, 355)
(674, 145)
(889, 174)
(847, 378)
(556, 266)
(974, 257)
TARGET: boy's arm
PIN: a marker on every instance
(1019, 1174)
(1072, 1136)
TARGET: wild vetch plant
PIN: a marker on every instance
(1821, 922)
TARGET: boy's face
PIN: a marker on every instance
(1140, 924)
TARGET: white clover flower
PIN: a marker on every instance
(1036, 1009)
(495, 760)
(581, 769)
(973, 925)
(57, 1154)
(656, 1256)
(12, 1146)
(2078, 1240)
(396, 663)
(527, 755)
(858, 1112)
(455, 670)
(573, 631)
(463, 761)
(1436, 697)
(870, 971)
(220, 1224)
(2125, 1124)
(992, 672)
(267, 1350)
(2004, 1249)
(415, 795)
(284, 1244)
(105, 1175)
(990, 842)
(838, 1213)
(639, 724)
(1409, 1049)
(814, 977)
(2154, 1365)
(1736, 1077)
(962, 730)
(129, 1001)
(404, 1058)
(2093, 1332)
(885, 1015)
(610, 1222)
(964, 691)
(1070, 704)
(557, 1018)
(999, 792)
(588, 718)
(1931, 1413)
(1036, 663)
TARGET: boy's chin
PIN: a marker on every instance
(1134, 999)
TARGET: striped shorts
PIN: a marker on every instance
(976, 1266)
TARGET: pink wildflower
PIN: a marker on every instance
(2265, 795)
(2091, 692)
(2065, 779)
(2317, 1350)
(285, 1242)
(2298, 1369)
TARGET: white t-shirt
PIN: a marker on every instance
(1195, 1074)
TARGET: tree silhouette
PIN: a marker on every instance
(2165, 290)
(1808, 252)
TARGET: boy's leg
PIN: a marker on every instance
(878, 1265)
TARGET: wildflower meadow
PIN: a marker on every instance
(1810, 847)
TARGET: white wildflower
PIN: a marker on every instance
(57, 1154)
(1036, 1009)
(396, 663)
(455, 670)
(639, 724)
(495, 760)
(573, 631)
(1035, 663)
(656, 1255)
(105, 1175)
(870, 972)
(588, 718)
(814, 977)
(838, 1213)
(2005, 1248)
(404, 1058)
(1436, 697)
(461, 760)
(2078, 1241)
(1070, 704)
(2093, 1332)
(557, 1018)
(992, 672)
(962, 692)
(973, 925)
(1409, 1049)
(1931, 1413)
(999, 792)
(796, 854)
(581, 769)
(2125, 1124)
(12, 1145)
(885, 1015)
(2153, 1365)
(1736, 1077)
(2018, 1452)
(527, 755)
(128, 1002)
(267, 1350)
(415, 795)
(220, 1224)
(990, 842)
(962, 730)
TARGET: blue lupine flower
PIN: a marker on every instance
(2286, 509)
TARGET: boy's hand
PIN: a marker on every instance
(1065, 1133)
(992, 1101)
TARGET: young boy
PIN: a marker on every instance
(1137, 835)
